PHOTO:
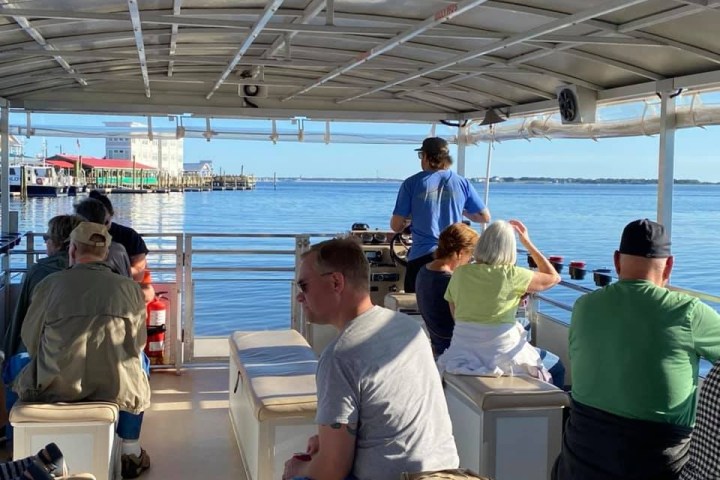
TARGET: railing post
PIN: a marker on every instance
(189, 323)
(181, 308)
(5, 200)
(531, 313)
(297, 320)
(30, 244)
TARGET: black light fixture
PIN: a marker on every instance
(491, 118)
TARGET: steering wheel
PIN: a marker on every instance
(400, 247)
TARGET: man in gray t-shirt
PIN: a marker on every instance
(381, 408)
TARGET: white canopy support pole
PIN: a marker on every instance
(5, 200)
(5, 168)
(461, 144)
(666, 160)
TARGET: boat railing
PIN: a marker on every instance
(254, 272)
(224, 282)
(257, 272)
(549, 315)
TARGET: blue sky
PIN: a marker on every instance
(635, 157)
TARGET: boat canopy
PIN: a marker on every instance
(364, 60)
(372, 60)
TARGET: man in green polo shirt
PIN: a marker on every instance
(634, 350)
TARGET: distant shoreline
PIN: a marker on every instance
(517, 180)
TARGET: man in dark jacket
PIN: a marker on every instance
(94, 211)
(14, 354)
(57, 240)
(127, 237)
(85, 334)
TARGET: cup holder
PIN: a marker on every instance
(602, 276)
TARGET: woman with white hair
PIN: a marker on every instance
(484, 297)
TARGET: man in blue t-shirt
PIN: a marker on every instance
(433, 199)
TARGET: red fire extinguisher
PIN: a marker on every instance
(156, 316)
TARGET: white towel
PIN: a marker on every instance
(491, 350)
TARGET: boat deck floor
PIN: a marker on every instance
(187, 430)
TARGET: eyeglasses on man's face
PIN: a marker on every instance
(45, 237)
(420, 155)
(304, 284)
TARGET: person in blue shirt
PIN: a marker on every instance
(432, 200)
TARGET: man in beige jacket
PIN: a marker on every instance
(85, 333)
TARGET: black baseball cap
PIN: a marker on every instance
(645, 238)
(434, 146)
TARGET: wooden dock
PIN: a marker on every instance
(189, 182)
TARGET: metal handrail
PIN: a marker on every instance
(186, 268)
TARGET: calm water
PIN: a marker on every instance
(580, 222)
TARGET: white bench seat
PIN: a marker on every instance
(506, 427)
(84, 431)
(273, 398)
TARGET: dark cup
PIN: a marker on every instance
(531, 262)
(577, 270)
(602, 277)
(557, 262)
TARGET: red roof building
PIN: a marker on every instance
(68, 161)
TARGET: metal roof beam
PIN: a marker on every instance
(609, 27)
(39, 39)
(599, 40)
(520, 86)
(667, 16)
(512, 40)
(161, 104)
(439, 17)
(700, 52)
(471, 91)
(467, 76)
(173, 37)
(544, 12)
(174, 19)
(131, 59)
(424, 101)
(301, 27)
(270, 9)
(155, 77)
(311, 11)
(186, 20)
(615, 63)
(139, 43)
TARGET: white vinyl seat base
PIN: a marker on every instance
(84, 432)
(273, 398)
(506, 427)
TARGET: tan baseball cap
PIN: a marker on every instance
(84, 233)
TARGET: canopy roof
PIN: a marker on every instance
(409, 60)
(94, 162)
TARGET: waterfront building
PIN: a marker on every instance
(203, 168)
(164, 152)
